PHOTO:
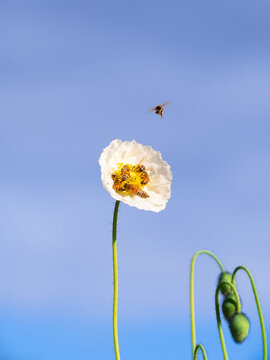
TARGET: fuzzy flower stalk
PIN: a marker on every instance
(136, 175)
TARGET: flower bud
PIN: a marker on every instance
(229, 306)
(225, 277)
(239, 326)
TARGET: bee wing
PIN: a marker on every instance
(166, 103)
(151, 109)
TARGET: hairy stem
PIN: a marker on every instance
(115, 282)
(192, 306)
(264, 341)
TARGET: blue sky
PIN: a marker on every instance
(76, 75)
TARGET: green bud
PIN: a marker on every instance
(227, 277)
(239, 326)
(229, 306)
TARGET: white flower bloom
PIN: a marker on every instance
(152, 194)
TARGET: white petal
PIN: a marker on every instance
(159, 188)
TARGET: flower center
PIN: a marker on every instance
(130, 180)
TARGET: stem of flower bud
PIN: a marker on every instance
(192, 306)
(197, 348)
(238, 309)
(264, 341)
(222, 341)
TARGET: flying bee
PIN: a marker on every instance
(134, 189)
(125, 173)
(159, 108)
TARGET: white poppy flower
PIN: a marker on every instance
(145, 180)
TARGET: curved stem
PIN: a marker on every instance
(192, 306)
(238, 310)
(115, 282)
(197, 348)
(222, 341)
(264, 341)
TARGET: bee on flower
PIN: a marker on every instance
(136, 175)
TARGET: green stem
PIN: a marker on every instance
(264, 341)
(192, 306)
(238, 310)
(197, 348)
(222, 341)
(115, 282)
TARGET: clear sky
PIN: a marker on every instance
(75, 75)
